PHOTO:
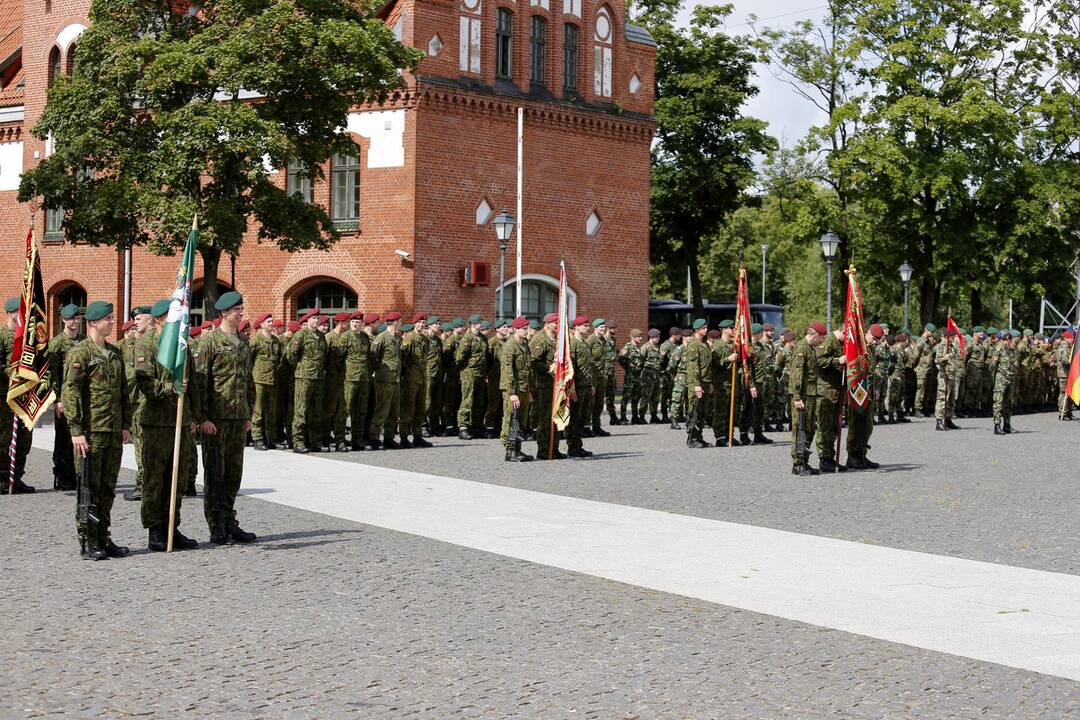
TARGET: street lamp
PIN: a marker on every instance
(829, 242)
(504, 228)
(764, 249)
(905, 276)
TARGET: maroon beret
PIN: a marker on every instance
(551, 317)
(342, 317)
(371, 318)
(393, 316)
(818, 327)
(418, 317)
(127, 326)
(293, 327)
(279, 323)
(194, 332)
(308, 315)
(262, 318)
(767, 327)
(519, 323)
(580, 320)
(877, 331)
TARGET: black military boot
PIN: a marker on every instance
(404, 444)
(420, 442)
(721, 441)
(220, 536)
(734, 441)
(614, 420)
(600, 432)
(882, 420)
(744, 438)
(656, 420)
(578, 452)
(464, 434)
(242, 536)
(867, 462)
(675, 425)
(696, 442)
(190, 490)
(22, 488)
(94, 551)
(1007, 427)
(521, 457)
(299, 450)
(829, 465)
(183, 542)
(998, 429)
(639, 420)
(259, 445)
(389, 444)
(156, 539)
(950, 425)
(760, 439)
(855, 463)
(902, 418)
(939, 425)
(115, 551)
(664, 417)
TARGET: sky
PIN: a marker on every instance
(789, 116)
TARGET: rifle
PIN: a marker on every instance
(801, 449)
(85, 512)
(692, 421)
(213, 484)
(514, 435)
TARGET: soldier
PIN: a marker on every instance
(7, 415)
(597, 343)
(894, 388)
(307, 355)
(652, 366)
(414, 359)
(1062, 362)
(158, 418)
(761, 362)
(699, 373)
(860, 420)
(830, 382)
(610, 356)
(492, 416)
(667, 371)
(676, 408)
(1003, 368)
(542, 352)
(947, 360)
(223, 413)
(286, 386)
(188, 485)
(451, 378)
(143, 325)
(386, 362)
(581, 359)
(881, 359)
(470, 357)
(803, 387)
(924, 368)
(266, 351)
(433, 392)
(631, 360)
(514, 379)
(334, 393)
(723, 357)
(63, 456)
(354, 346)
(974, 365)
(98, 411)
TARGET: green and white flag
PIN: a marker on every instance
(173, 344)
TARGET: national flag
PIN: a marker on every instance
(173, 343)
(564, 368)
(857, 370)
(30, 392)
(950, 325)
(1072, 383)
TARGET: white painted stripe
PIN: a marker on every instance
(1023, 618)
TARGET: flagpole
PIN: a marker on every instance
(176, 461)
(11, 454)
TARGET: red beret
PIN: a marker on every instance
(127, 326)
(279, 323)
(877, 331)
(194, 332)
(262, 318)
(217, 323)
(818, 327)
(207, 325)
(371, 318)
(392, 316)
(243, 326)
(308, 315)
(342, 317)
(293, 326)
(580, 320)
(519, 323)
(1067, 334)
(714, 334)
(551, 317)
(324, 320)
(358, 315)
(418, 317)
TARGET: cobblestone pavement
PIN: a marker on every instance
(327, 618)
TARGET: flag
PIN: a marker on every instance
(858, 363)
(173, 344)
(743, 336)
(1072, 383)
(30, 392)
(950, 325)
(564, 369)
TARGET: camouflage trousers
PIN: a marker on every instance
(577, 418)
(945, 406)
(411, 408)
(384, 418)
(543, 420)
(333, 398)
(677, 405)
(471, 382)
(262, 414)
(22, 445)
(353, 411)
(759, 406)
(587, 397)
(631, 393)
(810, 422)
(136, 441)
(860, 426)
(650, 393)
(598, 403)
(720, 399)
(106, 451)
(1003, 400)
(695, 415)
(284, 410)
(433, 401)
(307, 407)
(451, 398)
(494, 398)
(507, 414)
(667, 386)
(609, 394)
(226, 451)
(894, 400)
(63, 455)
(1064, 403)
(157, 463)
(972, 388)
(828, 425)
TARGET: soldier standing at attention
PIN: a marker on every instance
(143, 326)
(98, 411)
(830, 383)
(667, 371)
(631, 359)
(723, 355)
(414, 357)
(860, 420)
(266, 351)
(760, 362)
(1003, 368)
(1062, 362)
(307, 355)
(451, 379)
(224, 413)
(334, 393)
(947, 360)
(581, 359)
(598, 351)
(924, 368)
(59, 346)
(189, 489)
(542, 353)
(494, 363)
(676, 411)
(803, 388)
(354, 346)
(699, 373)
(158, 418)
(514, 377)
(286, 386)
(470, 356)
(386, 361)
(651, 368)
(897, 379)
(433, 392)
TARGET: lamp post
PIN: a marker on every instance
(829, 242)
(504, 228)
(764, 249)
(905, 276)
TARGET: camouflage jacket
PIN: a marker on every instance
(651, 359)
(156, 389)
(830, 375)
(631, 358)
(95, 394)
(1003, 364)
(542, 355)
(267, 358)
(803, 372)
(698, 364)
(470, 354)
(223, 362)
(414, 353)
(307, 354)
(677, 362)
(516, 373)
(335, 356)
(386, 356)
(355, 349)
(947, 360)
(581, 359)
(59, 347)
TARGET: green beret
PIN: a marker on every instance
(447, 327)
(458, 322)
(160, 308)
(432, 320)
(485, 325)
(382, 328)
(229, 300)
(97, 310)
(534, 324)
(1015, 333)
(12, 305)
(727, 324)
(884, 326)
(755, 328)
(475, 318)
(931, 327)
(501, 323)
(991, 330)
(69, 311)
(1039, 336)
(1028, 332)
(407, 327)
(977, 329)
(598, 322)
(140, 310)
(700, 323)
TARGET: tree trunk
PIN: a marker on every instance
(976, 307)
(211, 256)
(929, 291)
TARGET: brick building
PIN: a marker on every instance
(432, 169)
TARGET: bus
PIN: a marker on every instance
(665, 313)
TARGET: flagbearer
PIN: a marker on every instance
(98, 412)
(59, 346)
(860, 418)
(158, 419)
(542, 354)
(947, 360)
(7, 416)
(224, 413)
(1063, 357)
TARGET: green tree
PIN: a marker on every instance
(171, 112)
(702, 160)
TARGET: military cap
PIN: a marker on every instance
(392, 316)
(433, 320)
(475, 318)
(371, 318)
(209, 325)
(755, 328)
(127, 326)
(653, 332)
(160, 308)
(519, 323)
(308, 315)
(244, 325)
(229, 300)
(992, 330)
(551, 317)
(1028, 332)
(635, 333)
(1039, 336)
(485, 325)
(69, 311)
(788, 336)
(674, 331)
(194, 331)
(293, 326)
(1068, 334)
(901, 335)
(713, 334)
(457, 322)
(597, 322)
(700, 323)
(447, 327)
(1015, 333)
(977, 329)
(687, 332)
(534, 324)
(382, 328)
(612, 324)
(264, 317)
(877, 330)
(580, 320)
(97, 310)
(324, 320)
(818, 327)
(767, 327)
(12, 305)
(340, 317)
(279, 323)
(884, 325)
(407, 327)
(501, 323)
(726, 324)
(217, 322)
(140, 310)
(931, 327)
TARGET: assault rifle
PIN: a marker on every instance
(801, 448)
(85, 512)
(692, 422)
(513, 436)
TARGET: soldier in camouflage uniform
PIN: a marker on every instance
(1062, 362)
(414, 358)
(143, 326)
(783, 356)
(947, 360)
(699, 375)
(433, 386)
(493, 414)
(894, 389)
(355, 347)
(676, 410)
(514, 378)
(723, 359)
(158, 418)
(581, 360)
(830, 383)
(266, 350)
(924, 369)
(652, 366)
(632, 360)
(974, 365)
(542, 355)
(470, 357)
(611, 354)
(667, 371)
(98, 411)
(7, 415)
(334, 384)
(761, 362)
(307, 356)
(386, 362)
(1003, 367)
(59, 346)
(224, 416)
(451, 377)
(598, 350)
(803, 389)
(860, 420)
(284, 384)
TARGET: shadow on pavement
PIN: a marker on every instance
(898, 467)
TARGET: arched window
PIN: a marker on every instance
(71, 60)
(198, 297)
(72, 294)
(54, 65)
(538, 298)
(504, 44)
(345, 190)
(571, 38)
(538, 50)
(602, 37)
(328, 297)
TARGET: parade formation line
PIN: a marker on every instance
(1022, 618)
